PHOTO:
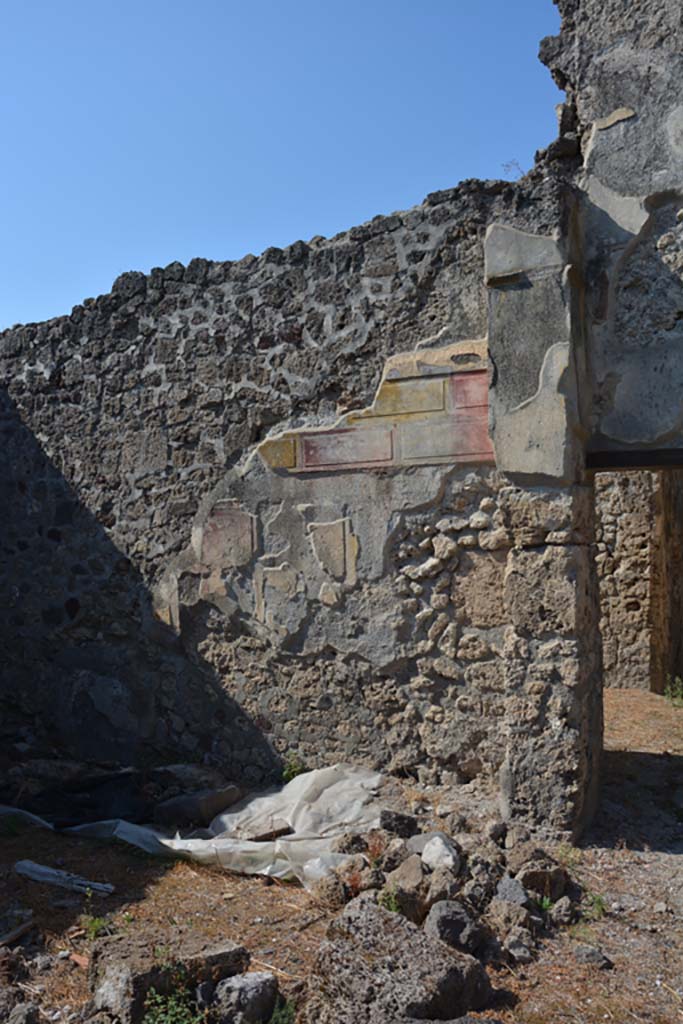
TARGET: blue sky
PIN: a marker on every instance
(142, 132)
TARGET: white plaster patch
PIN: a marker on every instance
(620, 114)
(533, 437)
(335, 548)
(509, 252)
(626, 211)
(674, 131)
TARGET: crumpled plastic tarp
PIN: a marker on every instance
(318, 805)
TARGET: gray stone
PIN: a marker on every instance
(511, 890)
(593, 955)
(123, 969)
(403, 825)
(518, 944)
(563, 912)
(450, 922)
(24, 1013)
(503, 917)
(543, 877)
(245, 999)
(376, 966)
(350, 842)
(395, 852)
(407, 883)
(443, 885)
(371, 879)
(440, 853)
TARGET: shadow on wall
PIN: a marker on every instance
(86, 671)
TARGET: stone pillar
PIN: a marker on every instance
(553, 722)
(539, 411)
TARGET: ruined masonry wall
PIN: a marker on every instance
(121, 420)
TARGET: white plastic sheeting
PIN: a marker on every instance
(318, 806)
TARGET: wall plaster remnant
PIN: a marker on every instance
(288, 505)
(431, 406)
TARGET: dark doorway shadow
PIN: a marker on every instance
(88, 675)
(642, 802)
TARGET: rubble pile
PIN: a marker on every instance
(424, 912)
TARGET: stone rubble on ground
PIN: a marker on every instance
(491, 895)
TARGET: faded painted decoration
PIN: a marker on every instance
(430, 408)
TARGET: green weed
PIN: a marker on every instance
(595, 906)
(95, 926)
(544, 903)
(389, 900)
(284, 1014)
(175, 1007)
(293, 766)
(673, 691)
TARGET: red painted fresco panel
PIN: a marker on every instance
(469, 390)
(347, 447)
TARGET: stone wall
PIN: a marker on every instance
(273, 523)
(628, 559)
(639, 517)
(621, 65)
(119, 423)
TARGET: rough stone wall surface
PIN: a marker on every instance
(85, 669)
(627, 560)
(188, 367)
(622, 66)
(120, 421)
(639, 516)
(477, 635)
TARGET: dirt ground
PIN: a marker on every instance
(630, 863)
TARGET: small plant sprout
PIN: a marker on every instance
(596, 906)
(293, 766)
(673, 691)
(175, 1007)
(389, 900)
(544, 903)
(285, 1013)
(95, 926)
